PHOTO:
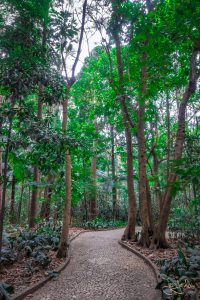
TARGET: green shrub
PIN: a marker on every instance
(100, 223)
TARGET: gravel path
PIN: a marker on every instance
(100, 269)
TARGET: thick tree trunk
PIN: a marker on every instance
(114, 179)
(144, 194)
(129, 233)
(143, 185)
(159, 237)
(36, 177)
(12, 216)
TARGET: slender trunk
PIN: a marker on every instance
(157, 185)
(20, 204)
(5, 178)
(168, 134)
(1, 181)
(129, 233)
(114, 179)
(143, 185)
(12, 203)
(85, 205)
(1, 153)
(64, 239)
(34, 197)
(159, 238)
(93, 194)
(64, 243)
(45, 209)
(36, 176)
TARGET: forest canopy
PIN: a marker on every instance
(109, 141)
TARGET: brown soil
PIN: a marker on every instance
(16, 275)
(155, 255)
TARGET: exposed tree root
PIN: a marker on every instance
(153, 239)
(63, 250)
(129, 234)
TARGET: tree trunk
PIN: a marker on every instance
(129, 233)
(85, 204)
(143, 182)
(45, 209)
(159, 237)
(143, 185)
(157, 185)
(93, 194)
(36, 176)
(168, 135)
(64, 239)
(12, 216)
(34, 197)
(1, 179)
(64, 243)
(20, 204)
(114, 179)
(5, 178)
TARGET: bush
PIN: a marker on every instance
(179, 276)
(100, 223)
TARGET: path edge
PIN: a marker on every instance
(32, 289)
(144, 258)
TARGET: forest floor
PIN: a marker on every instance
(19, 276)
(101, 269)
(178, 265)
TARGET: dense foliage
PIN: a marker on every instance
(117, 141)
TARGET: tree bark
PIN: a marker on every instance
(45, 209)
(129, 233)
(143, 185)
(64, 239)
(143, 182)
(5, 170)
(114, 179)
(93, 194)
(12, 216)
(168, 135)
(20, 204)
(36, 176)
(159, 237)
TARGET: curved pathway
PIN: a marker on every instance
(100, 269)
